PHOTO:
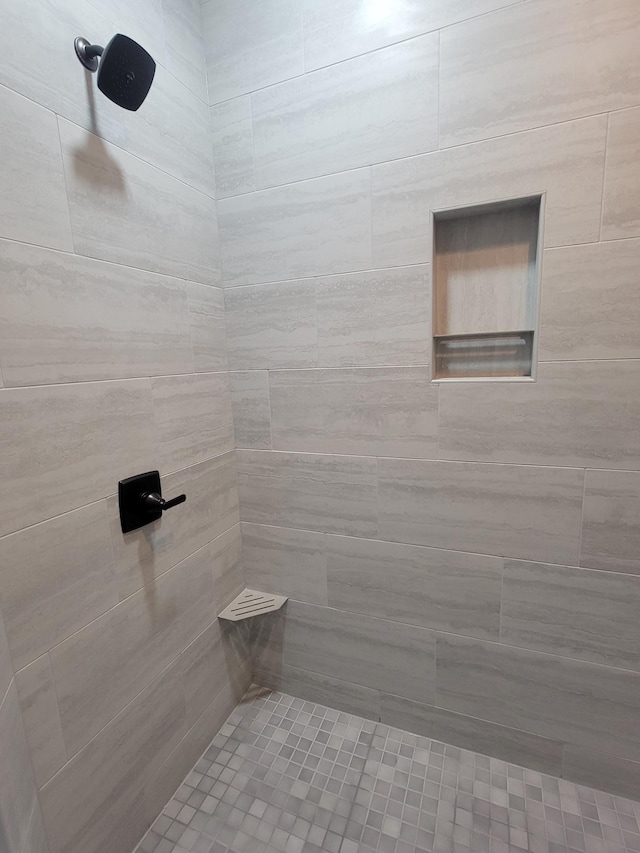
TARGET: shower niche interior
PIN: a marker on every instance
(486, 271)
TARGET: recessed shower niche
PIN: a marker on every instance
(486, 269)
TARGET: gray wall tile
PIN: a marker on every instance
(369, 412)
(251, 409)
(232, 137)
(184, 46)
(600, 771)
(507, 744)
(332, 494)
(576, 613)
(577, 278)
(272, 325)
(566, 162)
(311, 228)
(446, 590)
(621, 209)
(506, 510)
(372, 318)
(18, 793)
(6, 664)
(208, 330)
(285, 562)
(577, 414)
(610, 530)
(377, 107)
(580, 703)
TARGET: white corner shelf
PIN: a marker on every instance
(249, 603)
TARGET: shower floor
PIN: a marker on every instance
(291, 776)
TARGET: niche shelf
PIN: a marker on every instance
(486, 271)
(249, 603)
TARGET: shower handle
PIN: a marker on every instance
(154, 502)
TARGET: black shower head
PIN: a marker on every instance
(125, 70)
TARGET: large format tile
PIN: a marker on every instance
(374, 318)
(18, 793)
(33, 202)
(565, 162)
(339, 29)
(53, 303)
(331, 494)
(621, 208)
(377, 107)
(285, 562)
(232, 137)
(104, 666)
(95, 803)
(610, 529)
(581, 414)
(272, 325)
(55, 577)
(582, 703)
(226, 562)
(36, 834)
(499, 742)
(508, 510)
(311, 228)
(572, 612)
(39, 707)
(6, 664)
(600, 771)
(367, 412)
(211, 508)
(250, 46)
(557, 60)
(193, 418)
(251, 409)
(446, 590)
(208, 330)
(358, 649)
(577, 278)
(184, 46)
(87, 426)
(129, 212)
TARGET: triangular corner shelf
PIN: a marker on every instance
(250, 602)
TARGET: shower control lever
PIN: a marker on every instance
(141, 500)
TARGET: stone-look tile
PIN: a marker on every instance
(585, 704)
(104, 666)
(126, 211)
(377, 107)
(41, 719)
(566, 162)
(95, 804)
(251, 409)
(577, 613)
(577, 278)
(500, 742)
(18, 793)
(272, 325)
(33, 203)
(331, 494)
(368, 412)
(184, 46)
(610, 529)
(53, 303)
(211, 508)
(375, 318)
(6, 664)
(351, 647)
(249, 47)
(193, 418)
(445, 590)
(208, 330)
(621, 209)
(87, 426)
(232, 137)
(226, 560)
(315, 687)
(315, 227)
(56, 577)
(36, 835)
(340, 29)
(507, 510)
(600, 771)
(285, 562)
(581, 414)
(531, 81)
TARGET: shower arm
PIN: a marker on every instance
(88, 53)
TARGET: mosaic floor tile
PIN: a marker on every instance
(288, 776)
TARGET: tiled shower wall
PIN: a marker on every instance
(113, 362)
(462, 559)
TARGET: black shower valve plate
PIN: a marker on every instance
(133, 513)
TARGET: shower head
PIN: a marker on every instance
(125, 69)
